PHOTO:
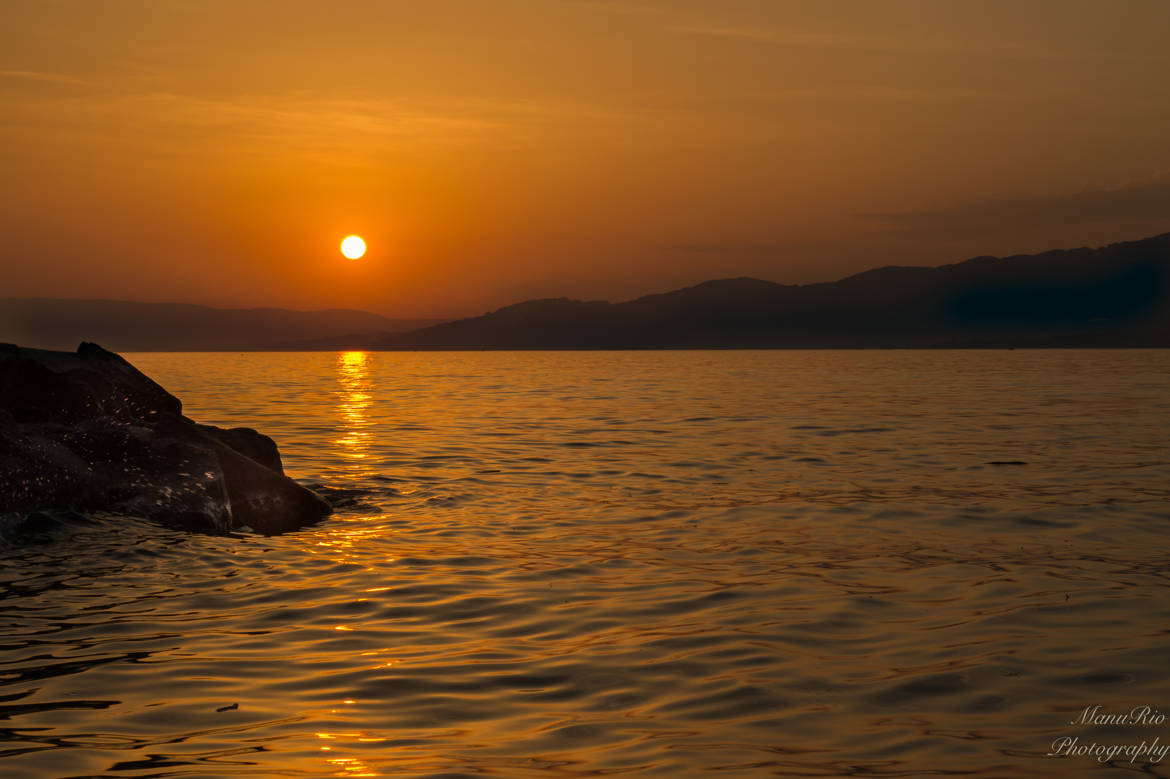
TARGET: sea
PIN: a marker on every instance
(634, 564)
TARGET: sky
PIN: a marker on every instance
(491, 151)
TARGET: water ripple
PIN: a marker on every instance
(666, 564)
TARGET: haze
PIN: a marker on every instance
(217, 152)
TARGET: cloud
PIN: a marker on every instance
(773, 35)
(794, 37)
(305, 122)
(23, 82)
(725, 248)
(52, 78)
(621, 7)
(1147, 200)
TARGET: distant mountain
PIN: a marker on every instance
(120, 325)
(1114, 296)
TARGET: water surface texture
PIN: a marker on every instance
(672, 564)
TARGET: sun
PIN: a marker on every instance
(353, 247)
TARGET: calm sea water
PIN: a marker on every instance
(672, 564)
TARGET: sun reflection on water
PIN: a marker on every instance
(349, 766)
(354, 395)
(354, 399)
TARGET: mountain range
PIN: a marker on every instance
(1113, 296)
(128, 326)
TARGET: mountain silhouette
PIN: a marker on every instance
(1114, 296)
(120, 325)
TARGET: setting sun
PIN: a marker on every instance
(353, 247)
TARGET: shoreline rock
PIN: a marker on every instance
(87, 431)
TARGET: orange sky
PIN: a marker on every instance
(217, 152)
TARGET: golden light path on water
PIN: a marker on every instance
(353, 402)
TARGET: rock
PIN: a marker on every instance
(248, 442)
(89, 432)
(38, 527)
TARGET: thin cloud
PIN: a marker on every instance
(51, 78)
(306, 122)
(779, 36)
(726, 248)
(614, 7)
(1147, 200)
(812, 39)
(20, 84)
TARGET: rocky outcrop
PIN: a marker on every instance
(88, 432)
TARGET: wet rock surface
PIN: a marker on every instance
(88, 432)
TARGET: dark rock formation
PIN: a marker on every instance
(89, 432)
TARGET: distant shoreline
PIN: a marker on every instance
(1112, 297)
(669, 349)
